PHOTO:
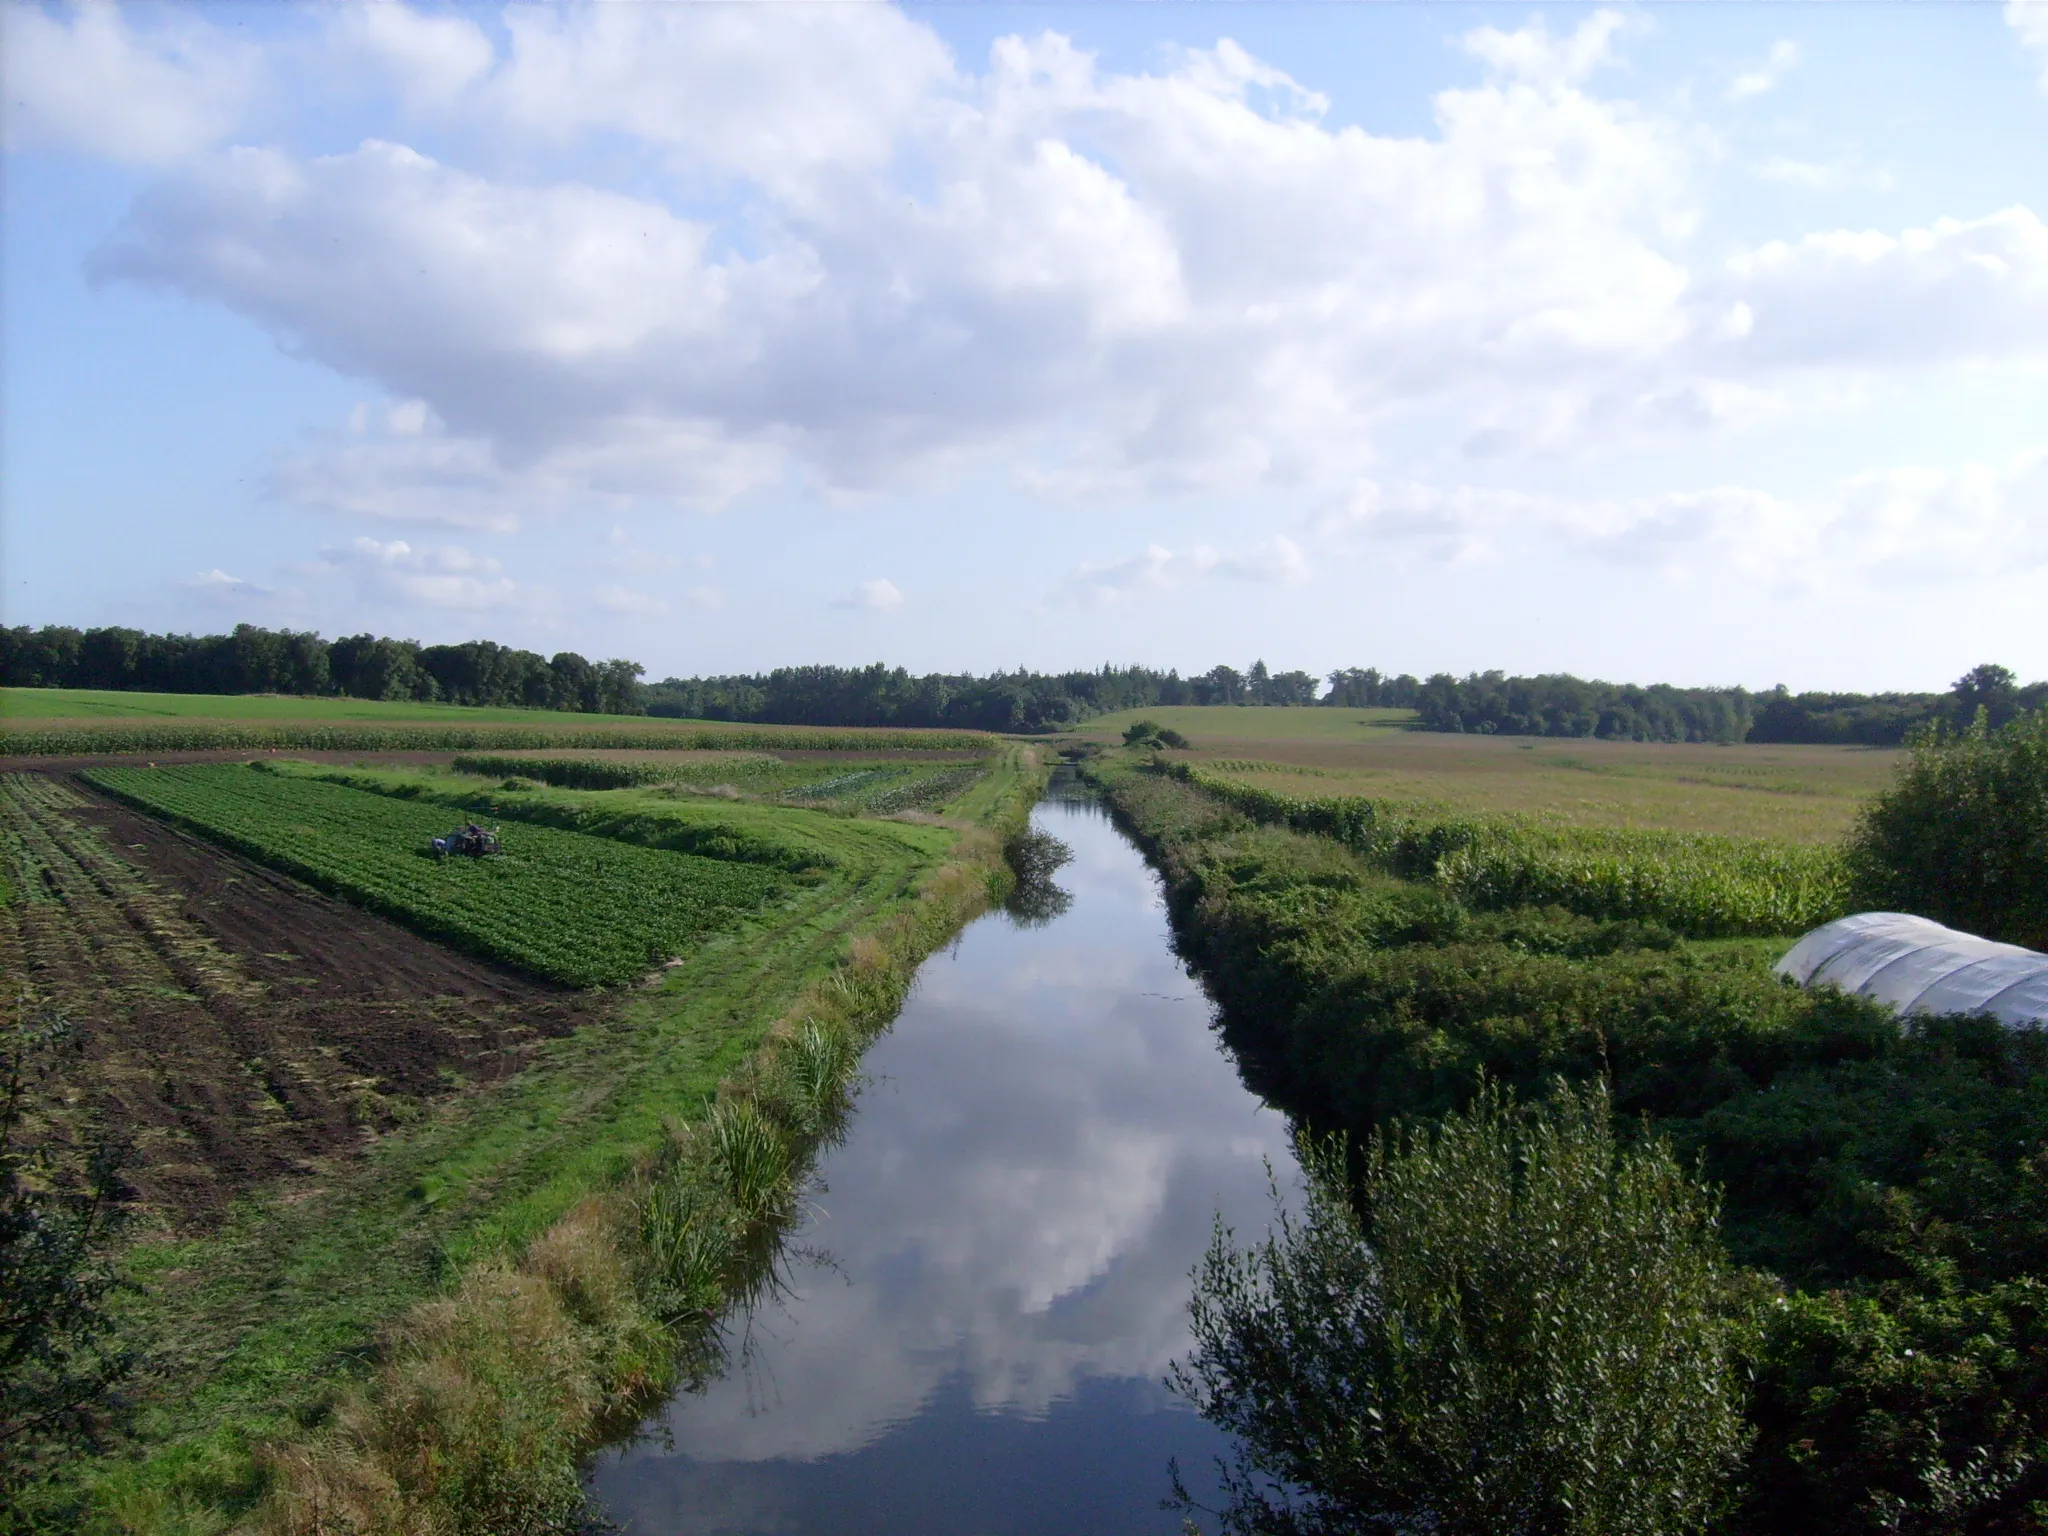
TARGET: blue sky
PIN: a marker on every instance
(1699, 343)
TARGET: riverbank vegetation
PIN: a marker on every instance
(426, 1319)
(1518, 1326)
(1882, 1179)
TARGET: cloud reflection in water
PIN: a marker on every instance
(1050, 1130)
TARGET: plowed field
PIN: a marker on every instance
(236, 1024)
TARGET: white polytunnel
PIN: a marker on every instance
(1918, 966)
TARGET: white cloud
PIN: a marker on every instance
(845, 262)
(82, 78)
(1898, 526)
(431, 59)
(624, 600)
(1784, 55)
(1824, 175)
(219, 585)
(877, 596)
(2029, 20)
(444, 576)
(1120, 281)
(1159, 570)
(1955, 291)
(771, 94)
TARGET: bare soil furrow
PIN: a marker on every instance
(236, 1026)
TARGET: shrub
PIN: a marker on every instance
(62, 1358)
(1962, 835)
(1529, 1330)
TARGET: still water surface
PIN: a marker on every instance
(994, 1279)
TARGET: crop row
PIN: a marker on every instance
(582, 910)
(877, 788)
(76, 741)
(605, 773)
(1699, 885)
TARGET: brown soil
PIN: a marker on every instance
(236, 1025)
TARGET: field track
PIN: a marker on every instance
(237, 1025)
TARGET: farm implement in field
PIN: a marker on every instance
(470, 842)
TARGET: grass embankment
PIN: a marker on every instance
(432, 1337)
(1889, 1176)
(1790, 793)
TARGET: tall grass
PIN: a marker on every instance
(1699, 885)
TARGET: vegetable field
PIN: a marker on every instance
(582, 910)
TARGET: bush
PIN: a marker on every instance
(1962, 835)
(1530, 1330)
(61, 1356)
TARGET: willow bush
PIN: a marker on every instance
(1529, 1330)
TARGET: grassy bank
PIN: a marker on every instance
(449, 1321)
(1885, 1178)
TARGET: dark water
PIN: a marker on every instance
(997, 1269)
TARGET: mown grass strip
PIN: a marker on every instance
(576, 909)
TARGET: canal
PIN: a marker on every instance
(980, 1307)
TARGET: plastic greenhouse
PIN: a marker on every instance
(1918, 966)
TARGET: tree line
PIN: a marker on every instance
(255, 660)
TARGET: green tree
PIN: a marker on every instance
(1961, 835)
(1529, 1330)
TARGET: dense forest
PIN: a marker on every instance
(253, 660)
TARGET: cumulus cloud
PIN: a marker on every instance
(218, 584)
(877, 596)
(83, 78)
(2029, 22)
(1957, 290)
(1130, 281)
(1897, 526)
(843, 260)
(1159, 570)
(1784, 55)
(431, 59)
(443, 576)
